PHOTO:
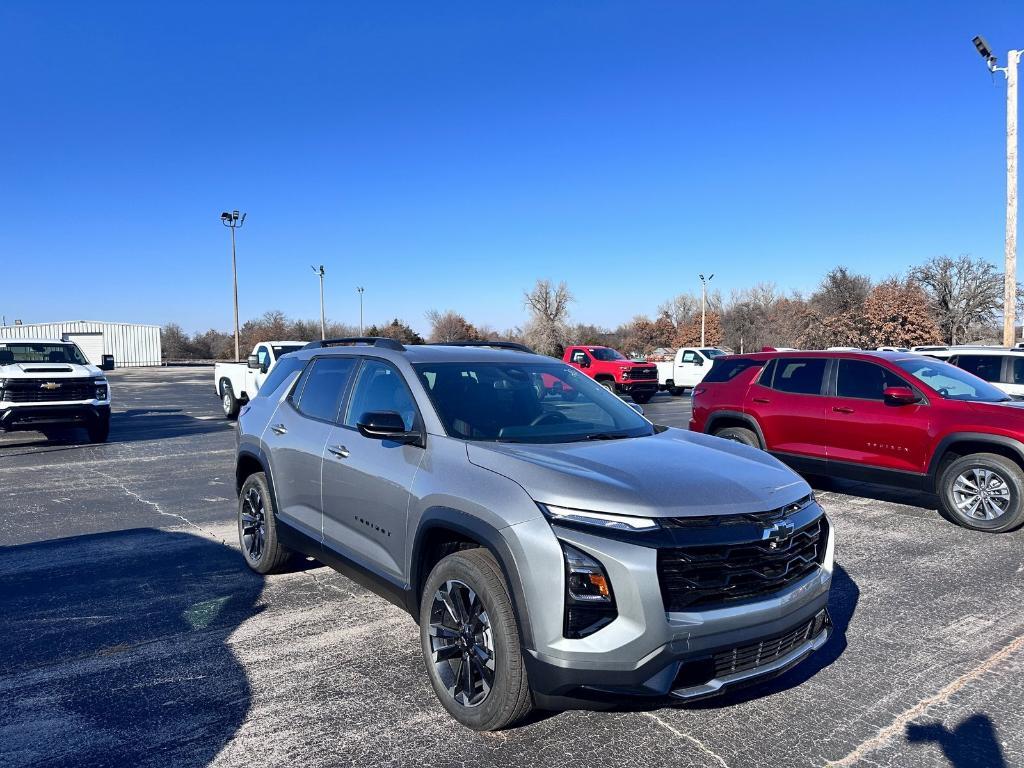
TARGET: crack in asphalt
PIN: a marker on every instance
(696, 742)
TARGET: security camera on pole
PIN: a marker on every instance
(1010, 277)
(231, 219)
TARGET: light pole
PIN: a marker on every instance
(1010, 269)
(360, 289)
(234, 221)
(323, 323)
(703, 303)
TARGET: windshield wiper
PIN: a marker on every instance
(606, 436)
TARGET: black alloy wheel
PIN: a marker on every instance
(462, 644)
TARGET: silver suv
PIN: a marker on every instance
(556, 548)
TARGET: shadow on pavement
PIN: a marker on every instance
(115, 653)
(972, 744)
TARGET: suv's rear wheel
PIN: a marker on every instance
(470, 642)
(739, 435)
(983, 491)
(257, 527)
(228, 401)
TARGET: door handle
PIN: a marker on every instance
(339, 450)
(762, 400)
(842, 409)
(279, 429)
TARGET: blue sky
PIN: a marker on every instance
(445, 155)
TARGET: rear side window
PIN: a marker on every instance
(987, 367)
(284, 368)
(1017, 373)
(801, 376)
(728, 369)
(865, 381)
(324, 383)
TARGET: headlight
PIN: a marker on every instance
(101, 388)
(599, 519)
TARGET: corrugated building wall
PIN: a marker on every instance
(131, 344)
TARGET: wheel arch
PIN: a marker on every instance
(722, 419)
(959, 444)
(443, 530)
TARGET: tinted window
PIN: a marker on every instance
(987, 367)
(324, 383)
(284, 349)
(41, 353)
(285, 367)
(865, 381)
(607, 354)
(1017, 374)
(724, 370)
(799, 376)
(380, 387)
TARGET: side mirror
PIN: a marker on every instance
(584, 362)
(385, 425)
(253, 361)
(698, 361)
(900, 395)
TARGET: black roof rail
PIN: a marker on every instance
(371, 341)
(513, 345)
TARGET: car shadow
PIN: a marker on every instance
(971, 744)
(115, 649)
(892, 494)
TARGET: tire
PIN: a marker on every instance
(739, 435)
(609, 385)
(99, 430)
(508, 699)
(642, 398)
(256, 505)
(675, 391)
(228, 402)
(1000, 509)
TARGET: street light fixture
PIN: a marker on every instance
(360, 289)
(1010, 267)
(233, 220)
(703, 303)
(323, 324)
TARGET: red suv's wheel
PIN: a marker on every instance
(983, 491)
(738, 435)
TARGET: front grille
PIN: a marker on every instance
(43, 391)
(711, 575)
(746, 657)
(632, 374)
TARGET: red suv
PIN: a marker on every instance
(885, 417)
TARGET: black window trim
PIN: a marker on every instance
(293, 401)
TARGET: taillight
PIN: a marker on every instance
(699, 391)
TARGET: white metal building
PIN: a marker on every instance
(131, 344)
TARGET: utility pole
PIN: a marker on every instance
(1010, 269)
(703, 303)
(323, 323)
(360, 289)
(233, 221)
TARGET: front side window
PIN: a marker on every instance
(800, 376)
(579, 357)
(987, 367)
(689, 356)
(526, 403)
(379, 387)
(41, 353)
(951, 382)
(323, 383)
(606, 355)
(865, 381)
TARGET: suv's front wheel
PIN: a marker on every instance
(257, 527)
(470, 642)
(983, 491)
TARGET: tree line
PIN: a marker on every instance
(945, 300)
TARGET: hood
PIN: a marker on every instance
(1016, 408)
(672, 474)
(48, 371)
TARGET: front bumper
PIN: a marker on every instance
(647, 651)
(638, 386)
(21, 417)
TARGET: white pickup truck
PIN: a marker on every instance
(687, 369)
(237, 383)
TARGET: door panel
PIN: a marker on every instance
(689, 372)
(789, 406)
(864, 429)
(295, 459)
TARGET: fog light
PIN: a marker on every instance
(589, 600)
(821, 621)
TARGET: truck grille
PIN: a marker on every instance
(632, 374)
(41, 391)
(746, 657)
(710, 575)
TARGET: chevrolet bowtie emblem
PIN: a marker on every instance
(781, 530)
(50, 385)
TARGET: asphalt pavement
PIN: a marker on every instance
(131, 632)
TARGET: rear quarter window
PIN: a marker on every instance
(728, 369)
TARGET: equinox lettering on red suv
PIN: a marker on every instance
(889, 417)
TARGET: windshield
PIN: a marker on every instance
(284, 349)
(41, 353)
(606, 353)
(951, 382)
(712, 353)
(526, 403)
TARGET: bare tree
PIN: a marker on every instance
(840, 291)
(450, 326)
(547, 330)
(965, 294)
(681, 308)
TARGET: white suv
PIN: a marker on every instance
(47, 384)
